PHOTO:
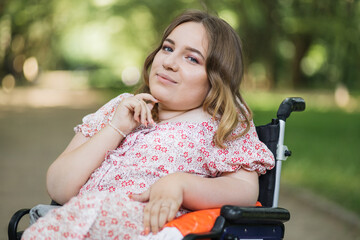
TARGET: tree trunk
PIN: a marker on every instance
(302, 44)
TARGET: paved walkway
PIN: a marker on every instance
(31, 137)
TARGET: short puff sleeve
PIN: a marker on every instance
(94, 122)
(246, 152)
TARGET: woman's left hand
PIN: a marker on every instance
(164, 200)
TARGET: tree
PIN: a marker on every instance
(295, 43)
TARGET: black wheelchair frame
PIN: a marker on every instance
(266, 222)
(236, 222)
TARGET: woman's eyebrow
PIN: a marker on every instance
(187, 48)
(170, 41)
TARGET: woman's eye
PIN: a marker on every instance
(192, 59)
(167, 49)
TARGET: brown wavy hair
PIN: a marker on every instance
(224, 67)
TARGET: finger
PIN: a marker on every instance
(163, 215)
(149, 114)
(150, 105)
(149, 102)
(146, 219)
(154, 217)
(147, 97)
(143, 197)
(143, 112)
(174, 208)
(144, 115)
(137, 110)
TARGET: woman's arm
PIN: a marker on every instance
(70, 171)
(239, 188)
(193, 192)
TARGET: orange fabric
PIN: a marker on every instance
(197, 221)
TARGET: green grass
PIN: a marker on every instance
(325, 142)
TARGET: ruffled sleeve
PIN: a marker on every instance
(94, 122)
(246, 152)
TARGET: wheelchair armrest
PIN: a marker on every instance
(215, 232)
(232, 215)
(14, 222)
(258, 215)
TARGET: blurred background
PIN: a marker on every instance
(60, 60)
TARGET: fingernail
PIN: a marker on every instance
(146, 123)
(147, 231)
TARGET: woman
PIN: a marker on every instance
(184, 143)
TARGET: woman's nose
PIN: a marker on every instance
(170, 62)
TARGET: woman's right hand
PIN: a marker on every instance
(134, 111)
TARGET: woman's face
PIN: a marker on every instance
(178, 76)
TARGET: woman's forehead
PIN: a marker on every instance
(190, 34)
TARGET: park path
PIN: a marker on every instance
(32, 136)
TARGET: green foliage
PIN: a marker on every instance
(325, 150)
(293, 43)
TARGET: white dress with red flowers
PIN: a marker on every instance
(103, 210)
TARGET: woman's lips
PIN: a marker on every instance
(165, 78)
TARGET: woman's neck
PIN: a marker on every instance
(195, 114)
(166, 115)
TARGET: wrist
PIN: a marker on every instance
(123, 127)
(182, 179)
(117, 130)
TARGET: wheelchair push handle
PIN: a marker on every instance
(289, 105)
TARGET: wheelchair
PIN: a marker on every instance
(236, 222)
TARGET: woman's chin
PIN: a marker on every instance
(159, 95)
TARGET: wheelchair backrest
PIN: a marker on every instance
(268, 134)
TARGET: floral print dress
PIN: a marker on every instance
(103, 210)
